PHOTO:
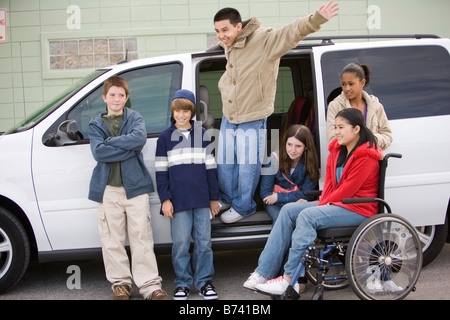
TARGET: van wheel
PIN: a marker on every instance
(433, 239)
(14, 250)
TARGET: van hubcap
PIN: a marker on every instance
(5, 253)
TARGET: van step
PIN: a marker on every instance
(257, 224)
(259, 218)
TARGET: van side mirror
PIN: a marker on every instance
(67, 133)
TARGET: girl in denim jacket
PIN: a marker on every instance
(292, 172)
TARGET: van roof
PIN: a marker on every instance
(328, 40)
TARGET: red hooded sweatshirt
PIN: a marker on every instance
(359, 179)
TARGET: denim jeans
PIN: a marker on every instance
(195, 223)
(239, 164)
(298, 223)
(273, 210)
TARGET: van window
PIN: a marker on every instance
(411, 82)
(40, 114)
(151, 92)
(151, 89)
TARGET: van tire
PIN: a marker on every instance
(439, 236)
(14, 250)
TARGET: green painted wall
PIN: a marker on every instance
(52, 43)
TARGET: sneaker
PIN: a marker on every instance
(224, 206)
(275, 286)
(208, 292)
(181, 293)
(121, 292)
(391, 286)
(231, 216)
(158, 295)
(373, 284)
(254, 279)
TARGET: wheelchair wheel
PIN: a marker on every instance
(384, 258)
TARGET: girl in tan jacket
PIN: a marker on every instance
(354, 78)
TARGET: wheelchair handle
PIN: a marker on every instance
(393, 155)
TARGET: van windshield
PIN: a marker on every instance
(40, 114)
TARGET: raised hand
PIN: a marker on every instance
(329, 10)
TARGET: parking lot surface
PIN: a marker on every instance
(58, 281)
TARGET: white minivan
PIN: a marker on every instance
(46, 162)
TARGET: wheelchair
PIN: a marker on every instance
(381, 259)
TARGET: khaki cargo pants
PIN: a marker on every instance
(118, 216)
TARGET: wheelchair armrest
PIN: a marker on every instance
(367, 200)
(358, 200)
(313, 193)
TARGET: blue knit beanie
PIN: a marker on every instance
(185, 94)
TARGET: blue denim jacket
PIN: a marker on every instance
(300, 177)
(125, 148)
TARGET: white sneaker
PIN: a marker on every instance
(275, 286)
(231, 216)
(224, 206)
(373, 283)
(391, 286)
(254, 279)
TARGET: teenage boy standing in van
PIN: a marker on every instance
(120, 183)
(248, 89)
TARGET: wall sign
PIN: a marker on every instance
(3, 37)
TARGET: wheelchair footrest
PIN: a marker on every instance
(290, 294)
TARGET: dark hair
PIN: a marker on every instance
(309, 156)
(362, 71)
(228, 14)
(355, 118)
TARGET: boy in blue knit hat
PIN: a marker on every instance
(186, 177)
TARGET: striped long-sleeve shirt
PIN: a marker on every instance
(186, 171)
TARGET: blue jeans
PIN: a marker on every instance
(273, 210)
(297, 223)
(239, 164)
(195, 223)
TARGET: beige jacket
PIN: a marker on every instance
(248, 85)
(376, 119)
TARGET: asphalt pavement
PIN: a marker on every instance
(85, 280)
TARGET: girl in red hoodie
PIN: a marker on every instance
(352, 172)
